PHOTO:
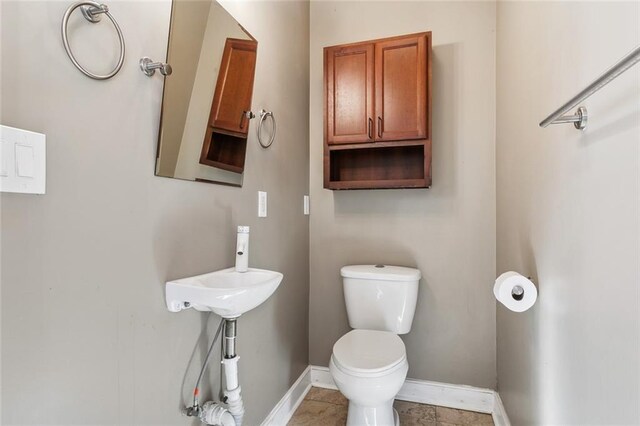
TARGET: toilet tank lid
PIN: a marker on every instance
(380, 272)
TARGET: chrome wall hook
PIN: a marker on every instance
(149, 67)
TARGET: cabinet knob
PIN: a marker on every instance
(379, 126)
(370, 128)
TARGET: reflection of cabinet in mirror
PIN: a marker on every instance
(199, 31)
(225, 140)
(223, 151)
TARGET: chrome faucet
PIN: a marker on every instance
(242, 249)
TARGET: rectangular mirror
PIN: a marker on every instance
(206, 103)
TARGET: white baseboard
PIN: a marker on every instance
(499, 414)
(446, 395)
(321, 377)
(421, 391)
(284, 409)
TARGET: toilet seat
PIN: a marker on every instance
(369, 352)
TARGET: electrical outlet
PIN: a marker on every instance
(262, 204)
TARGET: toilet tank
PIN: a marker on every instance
(380, 297)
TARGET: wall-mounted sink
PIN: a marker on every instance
(227, 293)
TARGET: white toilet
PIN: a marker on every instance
(369, 364)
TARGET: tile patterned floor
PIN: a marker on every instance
(329, 408)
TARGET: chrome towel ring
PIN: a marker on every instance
(263, 116)
(91, 12)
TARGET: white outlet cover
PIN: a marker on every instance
(262, 204)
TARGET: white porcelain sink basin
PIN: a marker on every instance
(227, 293)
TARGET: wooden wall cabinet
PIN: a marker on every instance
(349, 79)
(225, 140)
(378, 114)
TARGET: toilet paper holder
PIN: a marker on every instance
(515, 291)
(518, 292)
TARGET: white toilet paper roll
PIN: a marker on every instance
(515, 292)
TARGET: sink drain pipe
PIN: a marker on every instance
(232, 395)
(214, 413)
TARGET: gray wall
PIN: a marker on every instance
(448, 231)
(568, 209)
(86, 337)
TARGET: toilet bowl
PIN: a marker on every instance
(369, 368)
(369, 364)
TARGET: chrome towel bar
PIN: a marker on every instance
(91, 12)
(579, 119)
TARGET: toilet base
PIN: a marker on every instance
(383, 415)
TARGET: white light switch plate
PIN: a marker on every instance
(262, 204)
(22, 161)
(305, 203)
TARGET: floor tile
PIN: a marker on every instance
(314, 413)
(326, 407)
(457, 424)
(461, 417)
(326, 395)
(414, 414)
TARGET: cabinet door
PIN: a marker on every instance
(234, 88)
(349, 94)
(401, 88)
